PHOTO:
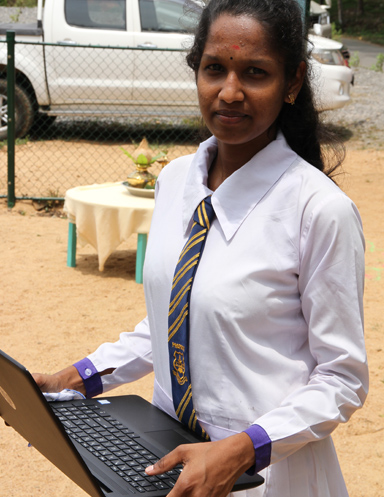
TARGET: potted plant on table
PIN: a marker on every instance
(143, 159)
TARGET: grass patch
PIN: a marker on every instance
(18, 3)
(378, 66)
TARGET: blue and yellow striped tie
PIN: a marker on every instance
(178, 319)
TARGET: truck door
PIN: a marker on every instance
(162, 78)
(84, 78)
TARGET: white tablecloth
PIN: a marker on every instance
(106, 215)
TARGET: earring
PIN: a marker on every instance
(291, 98)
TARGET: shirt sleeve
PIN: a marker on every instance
(331, 283)
(262, 445)
(90, 377)
(130, 358)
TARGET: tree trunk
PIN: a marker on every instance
(340, 13)
(360, 7)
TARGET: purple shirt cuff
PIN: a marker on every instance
(262, 445)
(90, 377)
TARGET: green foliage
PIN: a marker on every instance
(18, 141)
(53, 201)
(354, 61)
(22, 141)
(141, 159)
(18, 3)
(336, 32)
(15, 17)
(378, 66)
(368, 27)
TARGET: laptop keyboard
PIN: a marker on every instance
(115, 445)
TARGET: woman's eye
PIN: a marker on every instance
(256, 70)
(214, 67)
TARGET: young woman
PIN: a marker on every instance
(276, 348)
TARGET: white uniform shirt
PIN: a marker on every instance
(276, 317)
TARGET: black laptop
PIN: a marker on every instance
(102, 444)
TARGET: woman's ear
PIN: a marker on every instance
(296, 83)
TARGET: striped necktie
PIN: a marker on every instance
(178, 319)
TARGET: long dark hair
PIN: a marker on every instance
(300, 123)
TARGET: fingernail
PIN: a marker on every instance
(149, 468)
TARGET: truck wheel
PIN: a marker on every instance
(24, 111)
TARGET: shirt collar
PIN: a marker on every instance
(239, 194)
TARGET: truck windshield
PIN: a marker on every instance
(169, 15)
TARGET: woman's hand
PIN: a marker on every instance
(67, 378)
(209, 469)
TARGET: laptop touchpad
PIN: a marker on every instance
(168, 438)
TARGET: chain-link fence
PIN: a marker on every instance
(77, 106)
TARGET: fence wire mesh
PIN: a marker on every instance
(72, 119)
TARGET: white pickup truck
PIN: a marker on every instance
(66, 77)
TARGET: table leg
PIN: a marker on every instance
(140, 255)
(71, 250)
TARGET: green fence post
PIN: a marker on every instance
(140, 255)
(11, 117)
(72, 240)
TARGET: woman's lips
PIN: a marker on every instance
(230, 116)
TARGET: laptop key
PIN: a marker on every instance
(104, 423)
(160, 485)
(85, 437)
(92, 423)
(173, 472)
(125, 458)
(163, 477)
(117, 453)
(103, 414)
(105, 453)
(122, 446)
(68, 424)
(151, 478)
(147, 485)
(138, 478)
(152, 458)
(130, 473)
(127, 431)
(134, 484)
(144, 452)
(135, 455)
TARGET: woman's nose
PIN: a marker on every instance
(231, 90)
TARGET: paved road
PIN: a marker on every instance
(367, 51)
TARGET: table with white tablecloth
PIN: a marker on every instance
(104, 216)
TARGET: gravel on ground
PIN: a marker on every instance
(361, 122)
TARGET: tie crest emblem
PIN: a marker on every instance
(179, 367)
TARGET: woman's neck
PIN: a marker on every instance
(229, 159)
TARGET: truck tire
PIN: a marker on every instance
(24, 111)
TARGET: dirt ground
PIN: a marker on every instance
(53, 315)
